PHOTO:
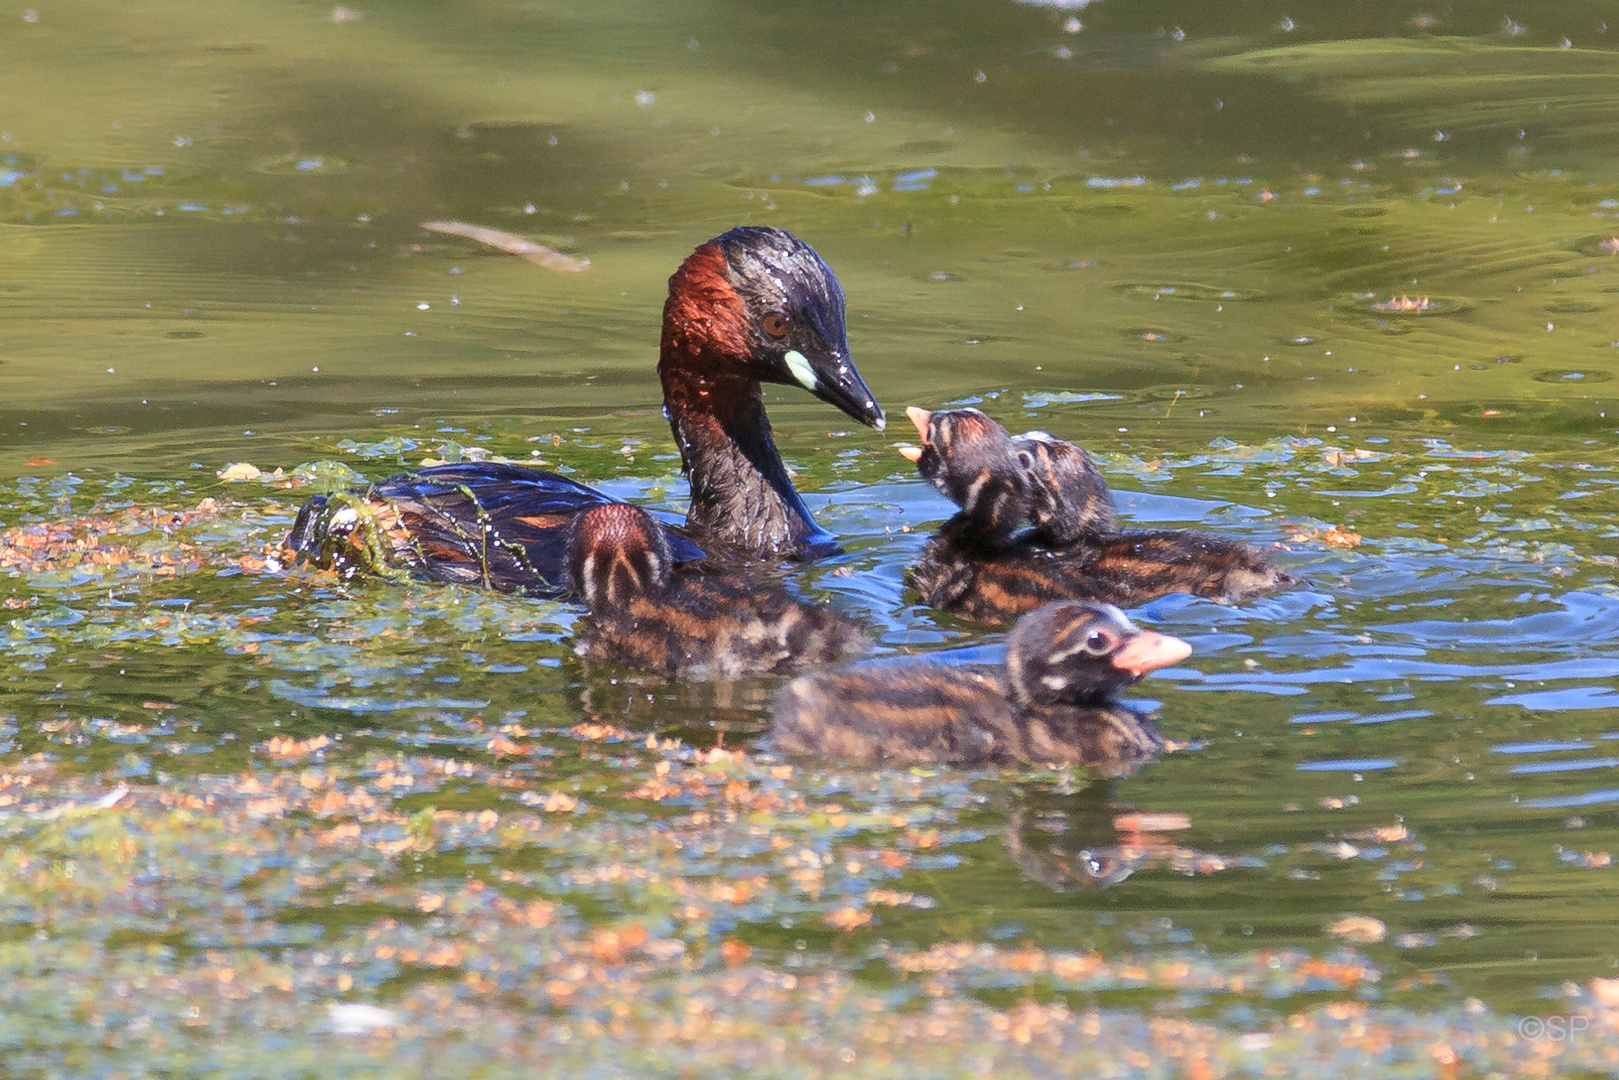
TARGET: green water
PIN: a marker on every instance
(1166, 230)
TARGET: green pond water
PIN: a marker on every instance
(1167, 230)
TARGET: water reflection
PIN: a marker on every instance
(1090, 840)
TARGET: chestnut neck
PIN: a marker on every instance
(741, 497)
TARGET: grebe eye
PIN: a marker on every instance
(775, 324)
(1098, 643)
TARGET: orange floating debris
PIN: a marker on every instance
(1152, 822)
(284, 746)
(847, 918)
(1361, 929)
(559, 802)
(501, 746)
(1332, 536)
(1383, 834)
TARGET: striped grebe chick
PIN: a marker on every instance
(1050, 704)
(650, 614)
(986, 570)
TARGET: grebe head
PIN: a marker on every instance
(969, 458)
(1068, 498)
(617, 552)
(763, 301)
(1077, 651)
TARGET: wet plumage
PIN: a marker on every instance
(1068, 499)
(1049, 704)
(965, 455)
(755, 305)
(486, 524)
(1127, 569)
(688, 621)
(1069, 551)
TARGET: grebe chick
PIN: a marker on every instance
(1068, 499)
(650, 614)
(995, 583)
(968, 458)
(1050, 704)
(753, 306)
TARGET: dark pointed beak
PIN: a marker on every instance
(833, 378)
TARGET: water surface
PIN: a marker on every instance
(1176, 233)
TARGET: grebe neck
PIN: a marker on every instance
(741, 496)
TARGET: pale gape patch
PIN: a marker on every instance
(799, 365)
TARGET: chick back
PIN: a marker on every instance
(897, 714)
(718, 627)
(1124, 569)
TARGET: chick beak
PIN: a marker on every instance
(1149, 651)
(913, 454)
(920, 417)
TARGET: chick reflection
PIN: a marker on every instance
(615, 704)
(1089, 841)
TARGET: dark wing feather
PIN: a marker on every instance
(493, 524)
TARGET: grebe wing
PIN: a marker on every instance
(497, 486)
(500, 525)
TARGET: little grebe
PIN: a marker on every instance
(755, 305)
(1068, 499)
(1055, 486)
(982, 571)
(1051, 705)
(649, 614)
(965, 455)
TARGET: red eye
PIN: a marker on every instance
(775, 324)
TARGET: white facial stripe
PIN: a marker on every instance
(974, 490)
(799, 365)
(588, 572)
(1117, 614)
(1059, 657)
